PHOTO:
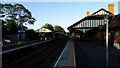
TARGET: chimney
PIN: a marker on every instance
(111, 8)
(88, 13)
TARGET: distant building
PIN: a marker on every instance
(43, 30)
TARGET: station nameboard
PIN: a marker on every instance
(21, 31)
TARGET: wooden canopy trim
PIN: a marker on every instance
(101, 10)
(92, 17)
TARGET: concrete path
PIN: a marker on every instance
(66, 59)
(90, 55)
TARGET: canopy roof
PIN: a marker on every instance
(100, 14)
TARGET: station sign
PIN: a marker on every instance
(21, 31)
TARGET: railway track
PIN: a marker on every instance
(43, 55)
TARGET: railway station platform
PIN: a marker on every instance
(92, 55)
(67, 57)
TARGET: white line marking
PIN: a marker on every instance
(61, 54)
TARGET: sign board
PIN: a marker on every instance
(21, 31)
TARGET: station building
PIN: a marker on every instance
(93, 26)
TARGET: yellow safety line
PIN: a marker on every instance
(74, 56)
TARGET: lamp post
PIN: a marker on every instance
(106, 20)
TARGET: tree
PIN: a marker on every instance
(67, 34)
(48, 26)
(10, 27)
(17, 13)
(73, 34)
(59, 29)
(14, 16)
(63, 31)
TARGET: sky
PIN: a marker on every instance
(60, 0)
(63, 14)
